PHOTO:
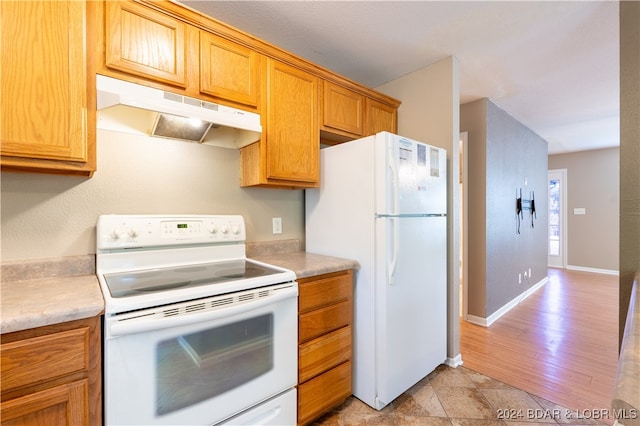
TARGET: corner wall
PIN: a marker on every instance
(514, 160)
(430, 112)
(629, 153)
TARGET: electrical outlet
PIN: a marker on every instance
(277, 225)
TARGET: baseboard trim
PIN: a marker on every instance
(486, 322)
(454, 362)
(594, 270)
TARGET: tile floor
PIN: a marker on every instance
(459, 397)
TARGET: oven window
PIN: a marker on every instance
(199, 366)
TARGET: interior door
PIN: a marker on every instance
(411, 312)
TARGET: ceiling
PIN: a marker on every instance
(552, 65)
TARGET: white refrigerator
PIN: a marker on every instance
(382, 201)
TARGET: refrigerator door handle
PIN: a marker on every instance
(393, 264)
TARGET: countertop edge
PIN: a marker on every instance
(42, 301)
(46, 301)
(308, 264)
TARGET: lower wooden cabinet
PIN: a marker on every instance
(325, 343)
(52, 375)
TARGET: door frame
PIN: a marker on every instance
(464, 260)
(560, 174)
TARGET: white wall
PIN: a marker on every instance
(47, 216)
(430, 112)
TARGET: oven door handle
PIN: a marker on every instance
(144, 324)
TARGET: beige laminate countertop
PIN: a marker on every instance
(36, 301)
(45, 301)
(307, 264)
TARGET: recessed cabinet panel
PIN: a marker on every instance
(51, 375)
(380, 118)
(293, 140)
(44, 94)
(144, 42)
(228, 70)
(63, 405)
(342, 109)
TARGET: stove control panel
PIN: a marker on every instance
(138, 231)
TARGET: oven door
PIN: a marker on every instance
(202, 361)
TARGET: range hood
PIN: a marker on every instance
(133, 108)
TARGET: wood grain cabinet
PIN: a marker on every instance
(52, 375)
(165, 50)
(348, 115)
(380, 117)
(46, 123)
(325, 343)
(146, 43)
(342, 110)
(228, 70)
(288, 154)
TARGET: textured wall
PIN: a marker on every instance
(629, 151)
(513, 157)
(50, 216)
(473, 120)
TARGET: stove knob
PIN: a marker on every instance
(224, 229)
(213, 229)
(235, 229)
(133, 233)
(114, 235)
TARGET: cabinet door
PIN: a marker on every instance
(146, 43)
(228, 70)
(380, 118)
(342, 109)
(62, 405)
(44, 86)
(293, 140)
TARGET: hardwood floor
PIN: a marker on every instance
(561, 343)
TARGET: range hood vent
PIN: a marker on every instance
(133, 108)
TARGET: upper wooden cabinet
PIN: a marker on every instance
(228, 70)
(163, 49)
(342, 109)
(288, 154)
(348, 115)
(146, 43)
(46, 122)
(380, 118)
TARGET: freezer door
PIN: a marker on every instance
(411, 302)
(410, 176)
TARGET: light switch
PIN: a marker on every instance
(579, 210)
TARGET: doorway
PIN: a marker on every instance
(557, 235)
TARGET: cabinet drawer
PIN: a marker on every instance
(324, 320)
(324, 392)
(38, 359)
(324, 353)
(316, 293)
